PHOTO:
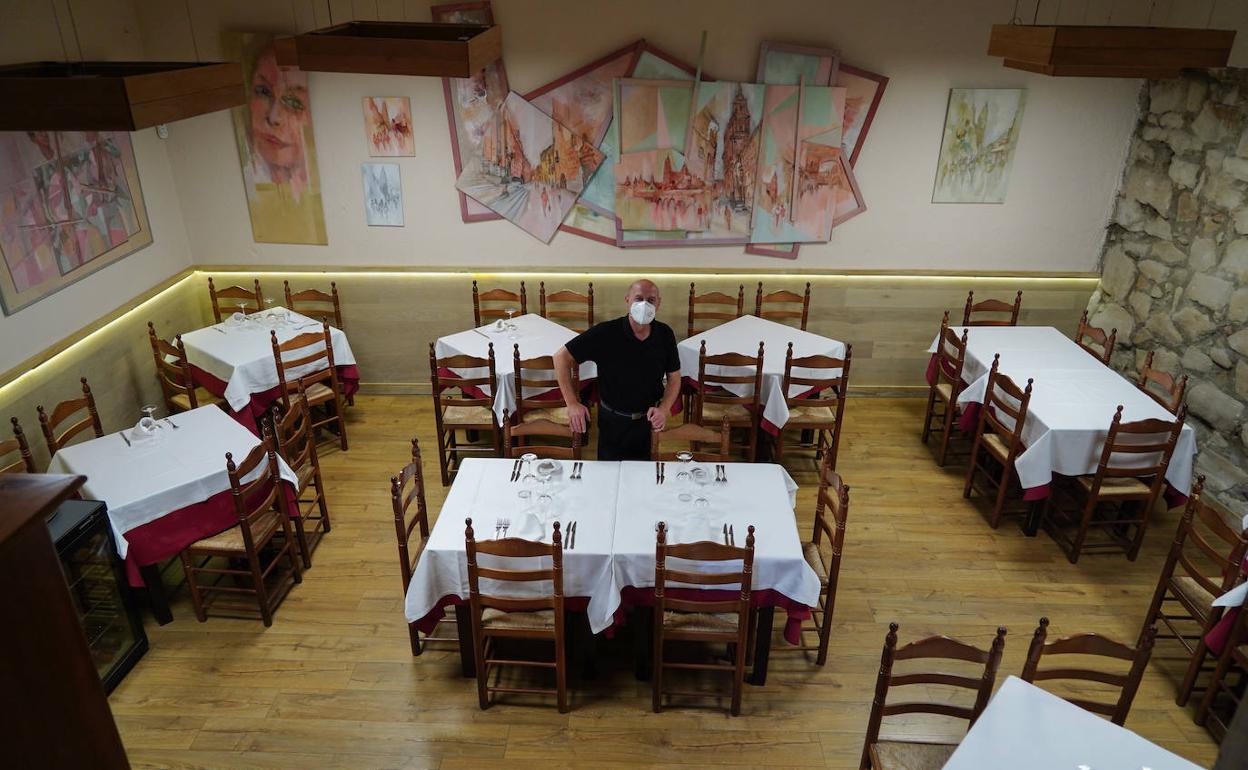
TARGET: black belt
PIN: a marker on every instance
(626, 415)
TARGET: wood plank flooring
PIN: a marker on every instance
(333, 684)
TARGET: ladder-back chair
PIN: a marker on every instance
(544, 429)
(693, 436)
(785, 313)
(24, 462)
(500, 301)
(974, 313)
(998, 440)
(945, 387)
(1094, 339)
(240, 300)
(407, 487)
(820, 406)
(320, 385)
(713, 299)
(1161, 386)
(715, 403)
(173, 372)
(54, 435)
(470, 411)
(314, 303)
(576, 309)
(296, 444)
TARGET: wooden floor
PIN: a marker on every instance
(332, 684)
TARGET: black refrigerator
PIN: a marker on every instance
(97, 584)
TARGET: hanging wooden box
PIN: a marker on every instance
(113, 96)
(395, 48)
(1116, 52)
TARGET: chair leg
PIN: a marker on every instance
(946, 434)
(970, 469)
(302, 537)
(753, 451)
(1215, 684)
(1003, 485)
(927, 416)
(446, 476)
(825, 630)
(322, 503)
(478, 653)
(342, 423)
(1076, 546)
(188, 566)
(1146, 511)
(414, 636)
(656, 676)
(296, 571)
(561, 675)
(738, 677)
(1193, 671)
(262, 596)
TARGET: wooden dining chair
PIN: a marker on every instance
(1090, 645)
(1229, 680)
(1161, 386)
(408, 487)
(245, 301)
(497, 617)
(820, 406)
(998, 440)
(321, 386)
(823, 553)
(713, 299)
(534, 377)
(576, 309)
(24, 462)
(945, 388)
(53, 433)
(786, 313)
(173, 372)
(1203, 563)
(974, 313)
(696, 619)
(314, 303)
(500, 300)
(470, 411)
(545, 429)
(693, 436)
(1094, 339)
(714, 403)
(1120, 496)
(915, 755)
(296, 444)
(263, 532)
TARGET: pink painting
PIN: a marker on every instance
(388, 126)
(864, 90)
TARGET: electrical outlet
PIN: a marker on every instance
(162, 130)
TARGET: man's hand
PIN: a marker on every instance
(578, 417)
(657, 418)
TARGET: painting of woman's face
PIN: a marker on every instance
(278, 107)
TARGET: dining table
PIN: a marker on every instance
(164, 488)
(742, 335)
(234, 359)
(608, 565)
(1027, 728)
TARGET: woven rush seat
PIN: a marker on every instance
(232, 538)
(701, 622)
(495, 619)
(896, 755)
(467, 415)
(1115, 487)
(811, 553)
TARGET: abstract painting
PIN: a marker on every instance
(273, 131)
(723, 155)
(471, 102)
(530, 169)
(782, 64)
(383, 194)
(388, 126)
(70, 204)
(863, 92)
(981, 133)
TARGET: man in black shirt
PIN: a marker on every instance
(633, 354)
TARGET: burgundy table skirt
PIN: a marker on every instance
(348, 375)
(169, 535)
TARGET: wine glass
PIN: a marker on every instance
(527, 478)
(242, 305)
(701, 477)
(149, 412)
(683, 483)
(511, 324)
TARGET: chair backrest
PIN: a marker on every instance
(693, 434)
(62, 412)
(1005, 407)
(313, 348)
(1161, 386)
(254, 499)
(933, 647)
(713, 299)
(972, 314)
(25, 461)
(704, 550)
(293, 434)
(406, 488)
(950, 356)
(174, 375)
(537, 375)
(315, 303)
(241, 300)
(829, 390)
(584, 314)
(710, 383)
(1206, 547)
(515, 548)
(443, 372)
(1129, 444)
(1094, 339)
(1094, 645)
(544, 428)
(500, 301)
(831, 513)
(786, 300)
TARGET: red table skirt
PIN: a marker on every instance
(348, 375)
(472, 391)
(169, 535)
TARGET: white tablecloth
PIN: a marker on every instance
(1026, 728)
(147, 480)
(615, 505)
(742, 335)
(1073, 400)
(536, 337)
(241, 355)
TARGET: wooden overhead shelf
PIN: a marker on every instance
(113, 96)
(394, 48)
(1114, 52)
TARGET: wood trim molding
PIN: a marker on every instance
(261, 270)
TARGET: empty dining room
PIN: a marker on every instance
(404, 384)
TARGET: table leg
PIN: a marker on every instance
(463, 628)
(1031, 525)
(643, 642)
(762, 646)
(156, 598)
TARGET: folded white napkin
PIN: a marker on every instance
(145, 430)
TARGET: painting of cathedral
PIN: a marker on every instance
(724, 154)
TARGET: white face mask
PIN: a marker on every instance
(642, 312)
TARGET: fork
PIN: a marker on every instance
(725, 533)
(724, 473)
(662, 472)
(498, 527)
(171, 422)
(732, 536)
(506, 526)
(577, 467)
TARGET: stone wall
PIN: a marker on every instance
(1175, 262)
